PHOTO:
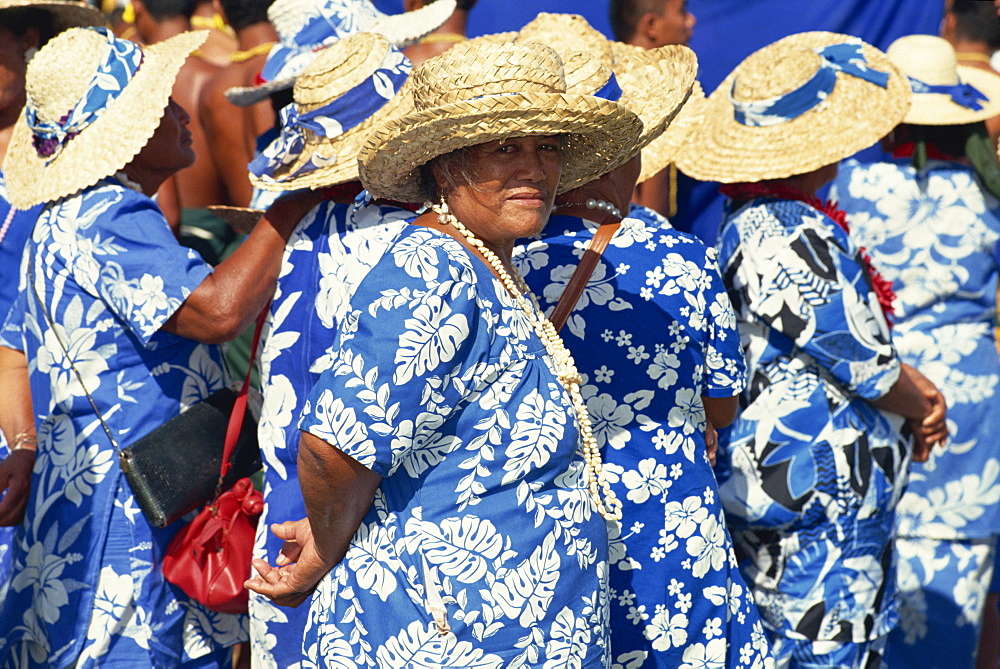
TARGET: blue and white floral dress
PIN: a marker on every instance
(810, 473)
(652, 333)
(15, 229)
(330, 251)
(87, 589)
(482, 547)
(935, 235)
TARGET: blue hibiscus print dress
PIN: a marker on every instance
(810, 473)
(87, 589)
(330, 251)
(482, 547)
(652, 333)
(935, 235)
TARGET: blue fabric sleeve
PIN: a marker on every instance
(725, 373)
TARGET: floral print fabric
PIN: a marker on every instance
(810, 473)
(652, 333)
(438, 383)
(110, 274)
(331, 250)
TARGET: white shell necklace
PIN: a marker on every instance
(604, 498)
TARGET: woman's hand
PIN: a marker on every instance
(932, 428)
(15, 482)
(300, 567)
(711, 441)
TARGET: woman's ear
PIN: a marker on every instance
(30, 42)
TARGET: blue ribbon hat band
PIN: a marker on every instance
(331, 120)
(847, 58)
(964, 95)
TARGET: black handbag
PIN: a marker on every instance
(175, 468)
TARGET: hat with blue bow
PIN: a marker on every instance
(93, 102)
(801, 103)
(306, 27)
(944, 92)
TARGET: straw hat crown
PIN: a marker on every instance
(931, 60)
(767, 75)
(339, 69)
(568, 29)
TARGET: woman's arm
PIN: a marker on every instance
(18, 424)
(229, 299)
(916, 398)
(338, 492)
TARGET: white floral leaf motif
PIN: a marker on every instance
(534, 436)
(338, 424)
(524, 593)
(430, 338)
(422, 646)
(373, 561)
(568, 641)
(461, 547)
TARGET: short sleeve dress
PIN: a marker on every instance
(86, 578)
(652, 333)
(810, 473)
(331, 250)
(482, 547)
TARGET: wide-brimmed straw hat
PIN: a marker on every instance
(351, 87)
(653, 83)
(306, 27)
(801, 103)
(944, 92)
(96, 100)
(65, 13)
(473, 94)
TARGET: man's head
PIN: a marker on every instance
(972, 21)
(242, 13)
(651, 23)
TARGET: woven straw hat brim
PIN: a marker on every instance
(854, 116)
(66, 13)
(344, 148)
(240, 219)
(664, 149)
(939, 109)
(110, 142)
(599, 132)
(402, 30)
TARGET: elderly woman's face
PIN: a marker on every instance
(510, 188)
(12, 69)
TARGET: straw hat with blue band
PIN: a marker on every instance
(351, 87)
(805, 101)
(93, 102)
(944, 92)
(477, 93)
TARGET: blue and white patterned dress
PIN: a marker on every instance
(810, 473)
(330, 251)
(935, 236)
(15, 229)
(439, 384)
(86, 574)
(652, 333)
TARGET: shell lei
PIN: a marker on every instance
(604, 498)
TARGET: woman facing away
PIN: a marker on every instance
(931, 220)
(813, 467)
(451, 479)
(119, 322)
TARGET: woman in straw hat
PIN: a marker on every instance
(108, 301)
(441, 456)
(931, 220)
(350, 87)
(656, 336)
(814, 465)
(25, 25)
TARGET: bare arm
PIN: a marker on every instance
(18, 424)
(338, 491)
(914, 397)
(226, 302)
(223, 123)
(721, 411)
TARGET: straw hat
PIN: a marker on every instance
(931, 60)
(348, 77)
(306, 27)
(567, 32)
(65, 13)
(663, 150)
(58, 78)
(472, 94)
(852, 116)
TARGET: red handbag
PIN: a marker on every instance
(209, 558)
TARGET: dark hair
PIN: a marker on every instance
(18, 19)
(464, 5)
(166, 9)
(625, 15)
(243, 13)
(457, 170)
(976, 21)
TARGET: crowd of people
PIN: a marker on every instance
(510, 416)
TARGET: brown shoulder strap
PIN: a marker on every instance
(577, 282)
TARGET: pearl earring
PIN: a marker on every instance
(29, 53)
